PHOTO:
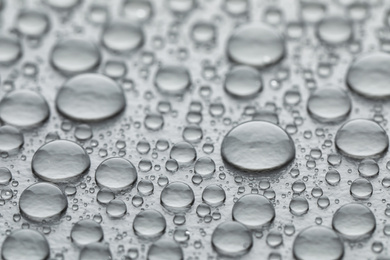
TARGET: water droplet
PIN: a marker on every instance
(177, 196)
(232, 239)
(10, 50)
(329, 105)
(243, 82)
(42, 202)
(149, 224)
(367, 75)
(116, 174)
(254, 211)
(116, 208)
(25, 244)
(354, 221)
(11, 139)
(74, 56)
(90, 97)
(165, 249)
(361, 138)
(60, 161)
(172, 80)
(258, 146)
(95, 251)
(32, 23)
(183, 152)
(214, 195)
(318, 242)
(24, 109)
(334, 30)
(86, 232)
(122, 37)
(361, 189)
(257, 45)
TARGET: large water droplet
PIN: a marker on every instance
(90, 97)
(254, 211)
(257, 45)
(86, 232)
(177, 196)
(24, 108)
(354, 221)
(122, 37)
(172, 80)
(243, 82)
(149, 224)
(73, 56)
(43, 202)
(257, 146)
(60, 161)
(361, 138)
(318, 242)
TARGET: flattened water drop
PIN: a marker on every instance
(232, 239)
(177, 197)
(10, 50)
(24, 109)
(254, 211)
(90, 97)
(165, 249)
(86, 232)
(11, 139)
(172, 80)
(256, 44)
(368, 75)
(122, 37)
(95, 251)
(329, 105)
(334, 30)
(149, 224)
(32, 23)
(116, 174)
(354, 221)
(43, 202)
(60, 161)
(257, 146)
(183, 152)
(361, 138)
(243, 82)
(25, 244)
(318, 242)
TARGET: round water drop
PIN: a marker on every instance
(368, 168)
(138, 10)
(25, 244)
(24, 109)
(60, 161)
(257, 146)
(318, 242)
(254, 211)
(214, 195)
(177, 196)
(95, 251)
(361, 189)
(205, 166)
(334, 30)
(5, 176)
(354, 221)
(122, 37)
(145, 187)
(104, 196)
(329, 105)
(62, 5)
(11, 139)
(299, 206)
(86, 232)
(116, 174)
(236, 7)
(154, 122)
(332, 177)
(368, 76)
(149, 224)
(73, 56)
(193, 133)
(83, 132)
(361, 138)
(116, 208)
(203, 33)
(181, 7)
(165, 249)
(32, 23)
(90, 97)
(42, 202)
(10, 50)
(172, 80)
(232, 239)
(183, 152)
(243, 82)
(257, 45)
